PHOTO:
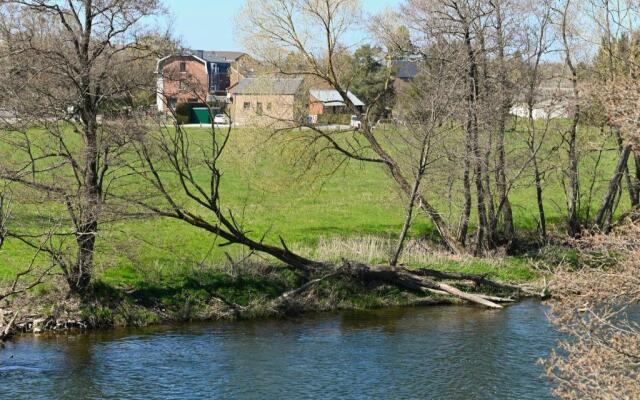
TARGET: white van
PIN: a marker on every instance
(355, 122)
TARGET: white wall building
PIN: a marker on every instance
(547, 109)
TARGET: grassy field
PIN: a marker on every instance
(357, 207)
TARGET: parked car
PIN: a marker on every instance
(355, 122)
(221, 119)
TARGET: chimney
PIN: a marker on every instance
(200, 53)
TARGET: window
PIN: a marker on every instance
(219, 77)
(268, 106)
(246, 105)
(183, 67)
(259, 108)
(184, 85)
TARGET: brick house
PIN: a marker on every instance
(263, 101)
(198, 77)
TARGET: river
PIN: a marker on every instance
(400, 353)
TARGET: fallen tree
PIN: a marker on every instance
(170, 152)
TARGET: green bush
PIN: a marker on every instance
(334, 119)
(182, 119)
(183, 113)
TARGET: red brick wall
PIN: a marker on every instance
(193, 84)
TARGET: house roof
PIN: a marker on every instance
(332, 98)
(203, 56)
(406, 69)
(219, 56)
(268, 85)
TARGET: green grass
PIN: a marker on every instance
(267, 194)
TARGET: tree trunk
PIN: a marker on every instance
(407, 222)
(541, 215)
(398, 276)
(492, 225)
(466, 209)
(474, 147)
(504, 206)
(633, 189)
(573, 220)
(80, 273)
(606, 209)
(482, 212)
(394, 169)
(635, 181)
(483, 97)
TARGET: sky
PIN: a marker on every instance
(208, 24)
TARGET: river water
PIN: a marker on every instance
(409, 353)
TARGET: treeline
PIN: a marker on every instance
(479, 64)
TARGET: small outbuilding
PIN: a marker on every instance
(329, 101)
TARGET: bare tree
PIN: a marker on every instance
(428, 110)
(593, 306)
(564, 10)
(64, 65)
(504, 88)
(313, 30)
(31, 275)
(480, 35)
(169, 154)
(537, 43)
(612, 88)
(619, 99)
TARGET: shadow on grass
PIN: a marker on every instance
(204, 285)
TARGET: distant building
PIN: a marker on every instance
(405, 70)
(552, 98)
(328, 101)
(272, 101)
(546, 109)
(197, 77)
(404, 73)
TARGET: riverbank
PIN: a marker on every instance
(148, 270)
(251, 290)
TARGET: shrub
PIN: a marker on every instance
(183, 113)
(182, 119)
(334, 119)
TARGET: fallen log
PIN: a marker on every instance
(474, 298)
(495, 299)
(409, 280)
(396, 276)
(477, 279)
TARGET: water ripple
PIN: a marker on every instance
(420, 353)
